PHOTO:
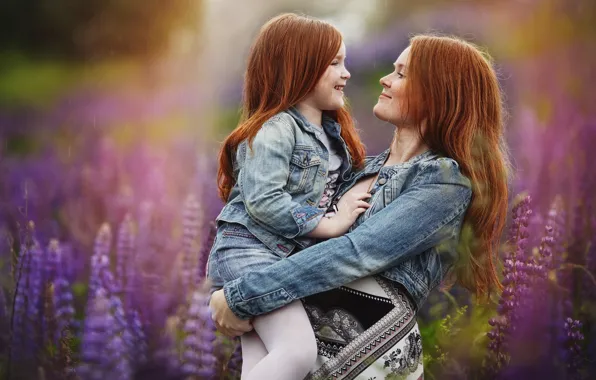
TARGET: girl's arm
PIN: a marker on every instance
(264, 176)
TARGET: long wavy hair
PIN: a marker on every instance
(287, 59)
(453, 89)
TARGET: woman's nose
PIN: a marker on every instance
(384, 82)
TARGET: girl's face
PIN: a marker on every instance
(328, 94)
(391, 106)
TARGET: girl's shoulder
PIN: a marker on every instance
(281, 119)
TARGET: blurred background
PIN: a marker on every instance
(117, 107)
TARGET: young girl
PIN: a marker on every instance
(278, 172)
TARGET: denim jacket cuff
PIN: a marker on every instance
(307, 218)
(233, 298)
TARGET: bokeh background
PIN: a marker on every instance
(111, 115)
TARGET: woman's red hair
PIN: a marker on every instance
(287, 59)
(453, 90)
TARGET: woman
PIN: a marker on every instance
(442, 181)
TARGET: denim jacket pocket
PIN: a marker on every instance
(304, 166)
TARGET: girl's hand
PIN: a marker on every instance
(349, 207)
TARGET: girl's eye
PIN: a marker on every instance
(334, 63)
(400, 75)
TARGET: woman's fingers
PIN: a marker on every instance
(225, 320)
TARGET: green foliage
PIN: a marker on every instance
(76, 30)
(455, 343)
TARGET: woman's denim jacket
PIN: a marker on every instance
(280, 182)
(408, 235)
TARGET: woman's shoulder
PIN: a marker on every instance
(440, 169)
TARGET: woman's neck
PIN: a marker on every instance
(312, 114)
(405, 145)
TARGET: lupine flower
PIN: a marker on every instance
(63, 299)
(120, 342)
(515, 267)
(27, 318)
(191, 222)
(96, 336)
(99, 259)
(198, 361)
(235, 363)
(21, 300)
(515, 280)
(572, 344)
(124, 252)
(36, 289)
(139, 343)
(53, 261)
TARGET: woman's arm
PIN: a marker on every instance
(411, 224)
(263, 178)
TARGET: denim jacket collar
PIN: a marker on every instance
(376, 164)
(331, 127)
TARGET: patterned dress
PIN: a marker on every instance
(365, 330)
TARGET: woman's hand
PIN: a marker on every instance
(225, 320)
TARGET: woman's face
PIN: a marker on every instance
(391, 106)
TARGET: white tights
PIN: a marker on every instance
(282, 346)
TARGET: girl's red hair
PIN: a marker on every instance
(287, 59)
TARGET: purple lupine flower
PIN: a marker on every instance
(139, 342)
(125, 251)
(20, 321)
(515, 267)
(99, 260)
(145, 280)
(53, 261)
(515, 281)
(27, 317)
(63, 298)
(235, 363)
(96, 336)
(35, 294)
(120, 342)
(198, 360)
(572, 344)
(56, 334)
(191, 222)
(102, 275)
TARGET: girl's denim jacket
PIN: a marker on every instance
(408, 235)
(280, 181)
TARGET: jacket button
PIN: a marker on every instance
(382, 181)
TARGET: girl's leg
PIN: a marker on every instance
(290, 341)
(253, 350)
